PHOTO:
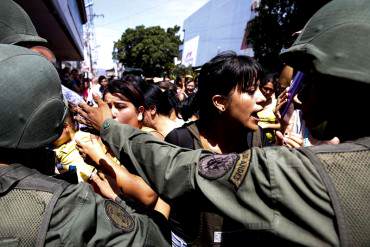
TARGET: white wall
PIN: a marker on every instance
(220, 26)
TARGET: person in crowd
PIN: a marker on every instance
(85, 88)
(227, 111)
(285, 77)
(165, 84)
(190, 86)
(65, 77)
(305, 196)
(126, 103)
(157, 111)
(224, 108)
(67, 155)
(180, 85)
(269, 86)
(175, 103)
(57, 213)
(77, 85)
(103, 81)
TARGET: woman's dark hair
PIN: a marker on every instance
(101, 78)
(189, 107)
(154, 96)
(178, 81)
(274, 78)
(128, 90)
(223, 74)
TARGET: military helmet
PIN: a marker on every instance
(32, 110)
(15, 25)
(335, 41)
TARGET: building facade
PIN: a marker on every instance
(60, 22)
(217, 26)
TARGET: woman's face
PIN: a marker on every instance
(243, 106)
(190, 86)
(104, 83)
(123, 110)
(268, 90)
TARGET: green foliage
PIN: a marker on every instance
(151, 49)
(181, 71)
(272, 29)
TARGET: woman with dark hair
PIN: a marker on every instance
(103, 81)
(269, 87)
(157, 112)
(228, 99)
(126, 102)
(225, 85)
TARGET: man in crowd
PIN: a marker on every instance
(314, 196)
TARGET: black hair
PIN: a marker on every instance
(189, 107)
(137, 80)
(101, 78)
(154, 96)
(221, 75)
(128, 90)
(274, 79)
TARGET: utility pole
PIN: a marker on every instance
(89, 35)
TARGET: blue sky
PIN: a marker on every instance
(122, 14)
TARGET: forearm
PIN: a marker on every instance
(131, 185)
(159, 163)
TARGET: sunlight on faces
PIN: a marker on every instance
(243, 106)
(123, 110)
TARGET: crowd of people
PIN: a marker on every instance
(228, 156)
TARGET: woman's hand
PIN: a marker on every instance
(104, 185)
(287, 121)
(91, 147)
(290, 140)
(93, 116)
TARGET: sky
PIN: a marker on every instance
(122, 14)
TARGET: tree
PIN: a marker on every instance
(151, 49)
(274, 25)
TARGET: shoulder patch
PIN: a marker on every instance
(240, 169)
(119, 217)
(217, 165)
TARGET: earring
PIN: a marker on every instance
(140, 117)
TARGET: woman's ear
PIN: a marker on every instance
(153, 110)
(140, 115)
(220, 102)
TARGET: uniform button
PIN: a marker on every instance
(106, 125)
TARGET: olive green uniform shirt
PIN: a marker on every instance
(81, 217)
(275, 192)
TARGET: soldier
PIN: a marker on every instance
(16, 26)
(313, 196)
(36, 209)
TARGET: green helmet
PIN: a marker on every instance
(335, 41)
(15, 25)
(32, 110)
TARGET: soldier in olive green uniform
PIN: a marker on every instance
(37, 210)
(317, 196)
